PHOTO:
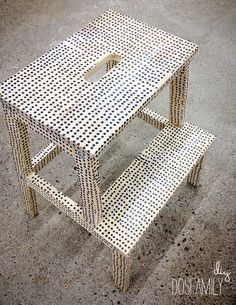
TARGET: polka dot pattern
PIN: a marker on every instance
(134, 200)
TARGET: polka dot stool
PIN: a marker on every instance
(58, 97)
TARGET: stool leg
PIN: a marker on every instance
(194, 175)
(89, 182)
(121, 270)
(178, 96)
(19, 141)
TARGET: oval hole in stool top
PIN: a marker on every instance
(104, 64)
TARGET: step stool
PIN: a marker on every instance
(57, 96)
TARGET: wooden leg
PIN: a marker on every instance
(89, 182)
(194, 175)
(121, 270)
(178, 97)
(20, 148)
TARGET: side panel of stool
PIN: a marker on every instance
(121, 270)
(89, 182)
(194, 175)
(178, 96)
(20, 148)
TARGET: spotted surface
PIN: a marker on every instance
(136, 197)
(19, 139)
(53, 93)
(44, 157)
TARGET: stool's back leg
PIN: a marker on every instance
(194, 175)
(20, 148)
(121, 270)
(178, 96)
(89, 182)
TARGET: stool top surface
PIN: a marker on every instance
(55, 90)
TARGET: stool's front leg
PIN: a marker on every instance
(194, 175)
(20, 148)
(89, 181)
(121, 270)
(178, 96)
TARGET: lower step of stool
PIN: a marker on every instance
(136, 197)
